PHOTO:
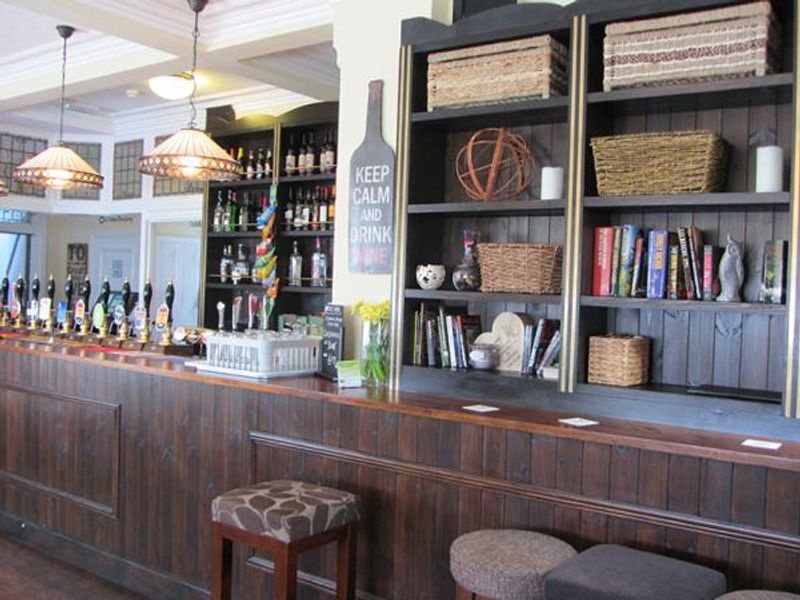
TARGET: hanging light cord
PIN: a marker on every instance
(195, 35)
(63, 93)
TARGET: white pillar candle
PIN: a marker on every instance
(552, 183)
(769, 169)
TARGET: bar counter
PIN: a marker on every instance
(88, 435)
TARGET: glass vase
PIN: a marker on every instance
(467, 275)
(375, 352)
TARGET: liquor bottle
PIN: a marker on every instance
(323, 209)
(233, 212)
(250, 169)
(244, 213)
(332, 153)
(295, 266)
(311, 155)
(226, 214)
(241, 268)
(315, 210)
(298, 210)
(268, 164)
(260, 170)
(240, 160)
(219, 213)
(225, 264)
(291, 159)
(307, 202)
(288, 213)
(324, 165)
(319, 266)
(332, 208)
(301, 157)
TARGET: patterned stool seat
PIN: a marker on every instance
(759, 595)
(285, 510)
(506, 564)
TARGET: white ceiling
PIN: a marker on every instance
(275, 53)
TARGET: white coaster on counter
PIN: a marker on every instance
(578, 422)
(763, 444)
(480, 408)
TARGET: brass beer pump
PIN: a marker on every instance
(19, 298)
(105, 293)
(51, 294)
(4, 287)
(147, 298)
(169, 299)
(33, 319)
(84, 293)
(122, 332)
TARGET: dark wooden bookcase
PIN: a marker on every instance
(274, 133)
(743, 346)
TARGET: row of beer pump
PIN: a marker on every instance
(127, 322)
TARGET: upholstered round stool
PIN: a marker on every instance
(759, 595)
(505, 564)
(284, 519)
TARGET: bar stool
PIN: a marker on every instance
(284, 519)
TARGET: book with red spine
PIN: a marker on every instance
(711, 256)
(603, 249)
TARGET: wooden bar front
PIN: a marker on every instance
(110, 462)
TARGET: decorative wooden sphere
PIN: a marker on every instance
(494, 164)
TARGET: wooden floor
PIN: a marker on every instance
(28, 575)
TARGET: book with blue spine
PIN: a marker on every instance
(627, 254)
(657, 263)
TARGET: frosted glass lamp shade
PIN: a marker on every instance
(189, 154)
(59, 168)
(172, 87)
(3, 188)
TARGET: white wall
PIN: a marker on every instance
(366, 35)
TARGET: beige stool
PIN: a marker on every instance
(505, 564)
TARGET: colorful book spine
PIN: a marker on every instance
(675, 288)
(711, 256)
(627, 255)
(603, 249)
(443, 346)
(683, 240)
(638, 266)
(615, 255)
(657, 264)
(695, 240)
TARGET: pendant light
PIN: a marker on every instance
(59, 167)
(190, 153)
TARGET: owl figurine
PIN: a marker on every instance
(731, 272)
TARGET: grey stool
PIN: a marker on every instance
(608, 572)
(759, 595)
(505, 564)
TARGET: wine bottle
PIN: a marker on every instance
(219, 211)
(331, 153)
(332, 207)
(260, 164)
(301, 157)
(323, 209)
(315, 210)
(268, 164)
(307, 209)
(225, 264)
(240, 160)
(250, 169)
(226, 214)
(233, 213)
(319, 265)
(288, 213)
(311, 155)
(295, 266)
(244, 213)
(291, 159)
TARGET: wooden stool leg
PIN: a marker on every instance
(222, 564)
(286, 574)
(346, 565)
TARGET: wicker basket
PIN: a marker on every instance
(520, 268)
(501, 72)
(622, 360)
(679, 162)
(734, 41)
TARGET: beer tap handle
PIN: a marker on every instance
(86, 291)
(221, 314)
(147, 297)
(105, 292)
(69, 290)
(169, 298)
(36, 287)
(4, 287)
(126, 296)
(19, 289)
(51, 288)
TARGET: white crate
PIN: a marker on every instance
(261, 354)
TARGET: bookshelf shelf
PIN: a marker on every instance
(532, 111)
(232, 235)
(308, 178)
(693, 305)
(296, 289)
(304, 234)
(682, 202)
(241, 184)
(454, 296)
(498, 208)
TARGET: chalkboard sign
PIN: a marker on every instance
(371, 203)
(332, 339)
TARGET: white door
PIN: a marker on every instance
(177, 258)
(115, 256)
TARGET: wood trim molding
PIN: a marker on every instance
(130, 575)
(108, 510)
(561, 498)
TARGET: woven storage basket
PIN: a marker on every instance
(678, 162)
(622, 360)
(520, 268)
(501, 72)
(734, 41)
